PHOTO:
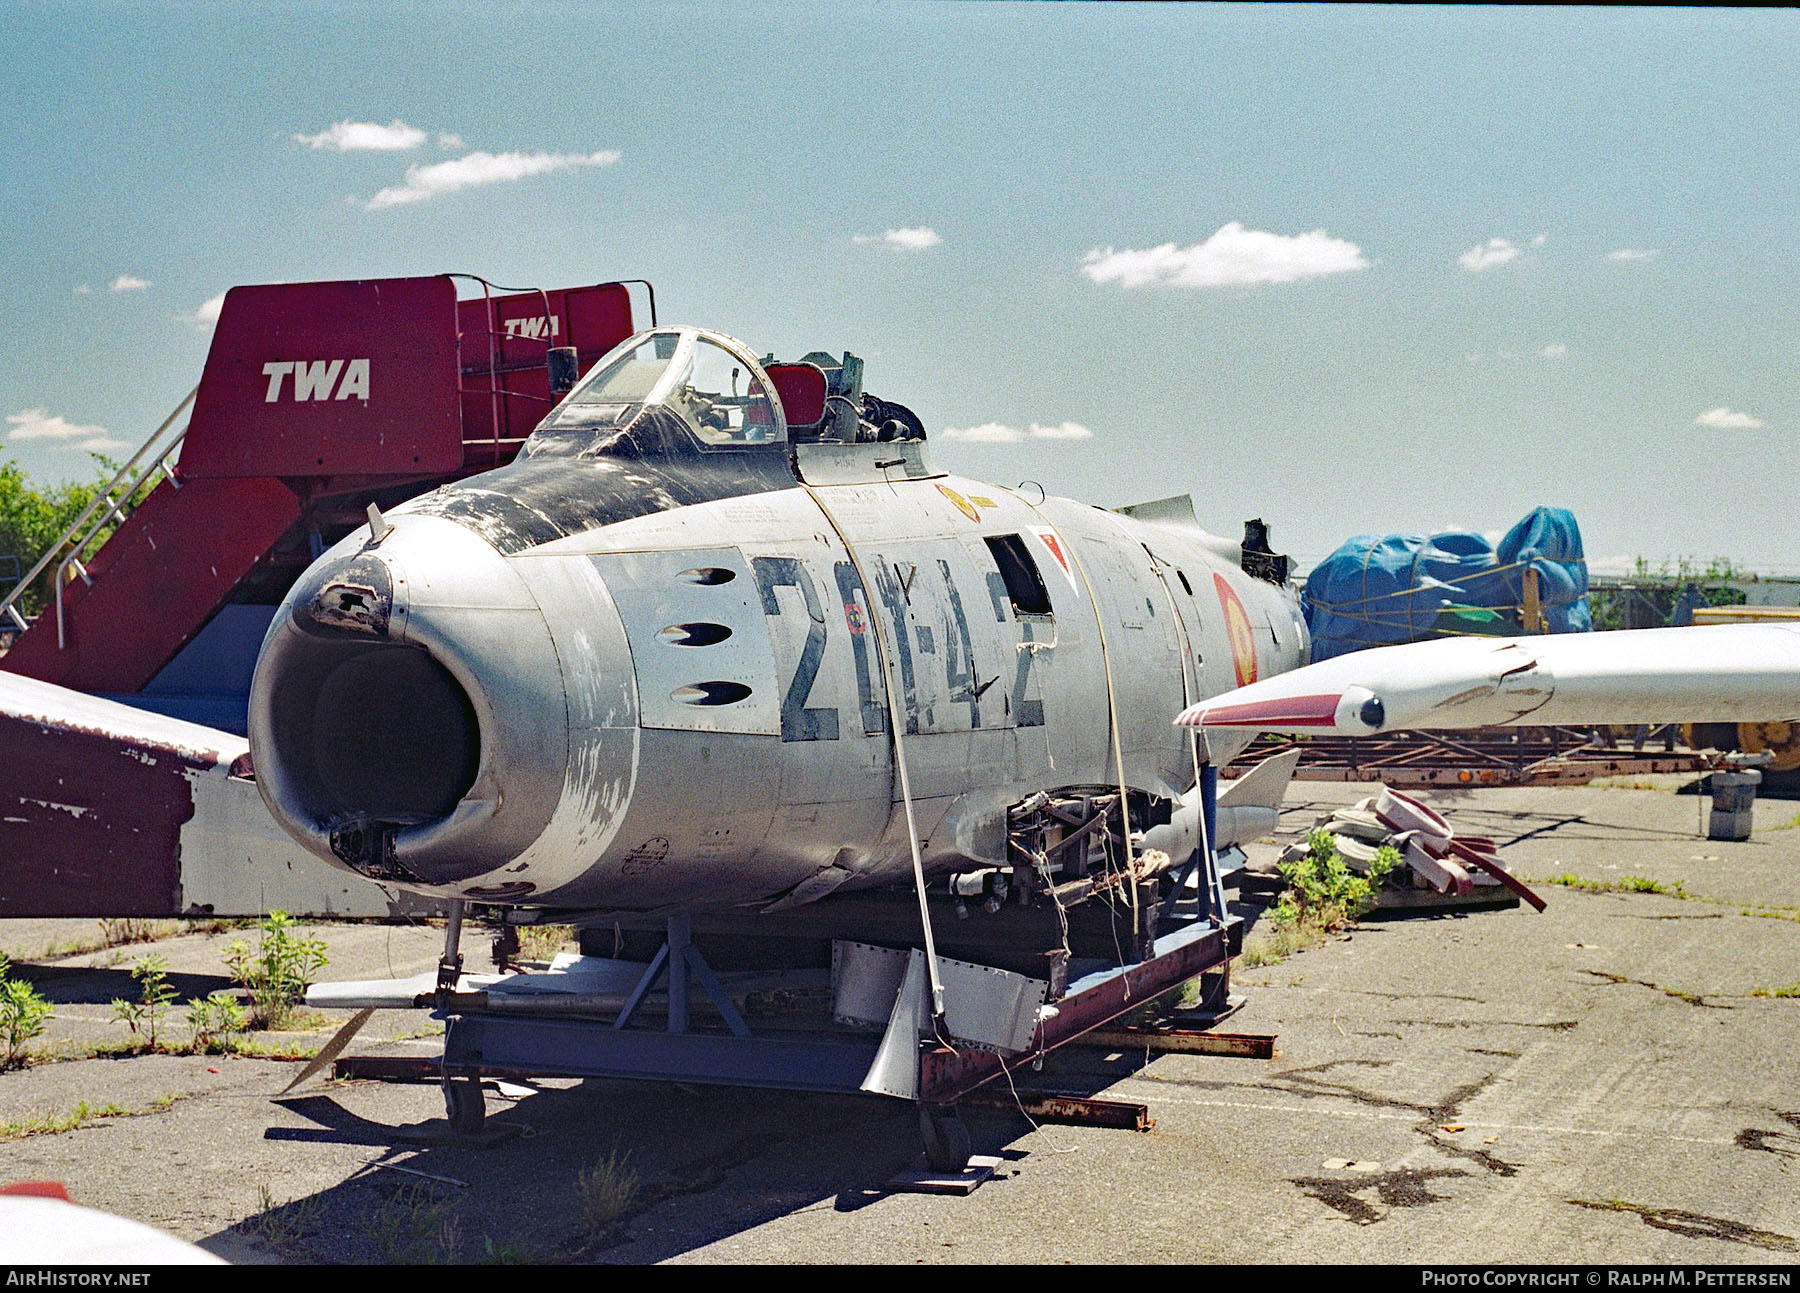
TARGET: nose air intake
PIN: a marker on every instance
(372, 731)
(406, 714)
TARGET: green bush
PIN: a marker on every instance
(32, 517)
(1323, 892)
(215, 1021)
(23, 1014)
(278, 973)
(145, 1015)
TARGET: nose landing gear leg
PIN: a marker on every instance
(464, 1103)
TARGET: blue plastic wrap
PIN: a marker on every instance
(1376, 590)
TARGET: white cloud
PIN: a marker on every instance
(1540, 240)
(1061, 431)
(206, 314)
(480, 168)
(366, 136)
(447, 140)
(1496, 251)
(986, 433)
(914, 238)
(1633, 253)
(1233, 255)
(1000, 433)
(40, 424)
(128, 283)
(1724, 419)
(1555, 350)
(82, 289)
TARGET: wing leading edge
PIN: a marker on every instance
(1717, 673)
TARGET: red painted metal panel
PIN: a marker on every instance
(156, 583)
(504, 342)
(802, 388)
(92, 827)
(313, 379)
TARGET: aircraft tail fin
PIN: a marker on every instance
(1264, 785)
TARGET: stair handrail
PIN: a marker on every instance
(96, 514)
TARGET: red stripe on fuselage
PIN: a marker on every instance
(1289, 711)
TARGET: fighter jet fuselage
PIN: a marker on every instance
(653, 662)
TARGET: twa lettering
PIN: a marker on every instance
(318, 379)
(533, 328)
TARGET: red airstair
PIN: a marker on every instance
(316, 400)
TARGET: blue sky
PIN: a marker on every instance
(1418, 268)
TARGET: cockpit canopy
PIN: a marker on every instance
(705, 378)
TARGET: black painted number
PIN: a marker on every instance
(798, 722)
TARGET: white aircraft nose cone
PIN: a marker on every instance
(407, 717)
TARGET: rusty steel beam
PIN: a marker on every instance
(1249, 1046)
(1069, 1110)
(389, 1068)
(1482, 757)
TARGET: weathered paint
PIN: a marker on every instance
(119, 812)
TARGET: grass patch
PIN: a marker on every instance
(1277, 945)
(606, 1191)
(1786, 990)
(1624, 884)
(82, 1115)
(1677, 889)
(417, 1225)
(543, 942)
(281, 1226)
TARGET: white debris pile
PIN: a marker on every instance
(1435, 856)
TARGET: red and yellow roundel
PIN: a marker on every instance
(963, 505)
(1238, 632)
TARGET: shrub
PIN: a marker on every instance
(278, 973)
(215, 1021)
(23, 1014)
(145, 1015)
(1323, 892)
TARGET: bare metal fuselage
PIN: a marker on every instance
(688, 706)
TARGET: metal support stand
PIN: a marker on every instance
(450, 964)
(677, 958)
(464, 1104)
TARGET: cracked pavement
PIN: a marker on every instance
(1598, 1083)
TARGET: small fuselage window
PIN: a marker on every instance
(1024, 585)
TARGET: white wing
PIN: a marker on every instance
(1722, 673)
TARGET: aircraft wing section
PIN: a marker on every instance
(108, 810)
(1712, 673)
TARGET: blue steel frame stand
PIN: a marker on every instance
(516, 1043)
(677, 958)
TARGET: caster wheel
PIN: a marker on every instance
(465, 1104)
(946, 1136)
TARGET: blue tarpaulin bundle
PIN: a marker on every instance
(1377, 589)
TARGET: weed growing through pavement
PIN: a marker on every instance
(277, 974)
(606, 1191)
(280, 1226)
(216, 1020)
(415, 1226)
(1323, 895)
(80, 1116)
(144, 1016)
(23, 1015)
